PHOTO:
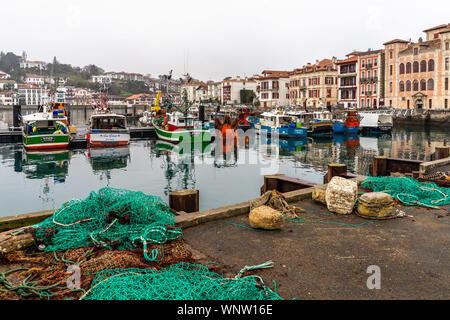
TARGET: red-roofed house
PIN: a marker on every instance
(273, 88)
(314, 85)
(34, 79)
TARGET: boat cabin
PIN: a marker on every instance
(177, 121)
(108, 122)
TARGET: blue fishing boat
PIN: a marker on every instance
(338, 126)
(285, 125)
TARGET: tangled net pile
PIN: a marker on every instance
(113, 219)
(182, 281)
(409, 191)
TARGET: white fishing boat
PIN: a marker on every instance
(376, 122)
(107, 129)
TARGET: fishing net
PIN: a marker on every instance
(409, 191)
(181, 281)
(111, 218)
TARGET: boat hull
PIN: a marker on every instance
(185, 136)
(284, 132)
(338, 127)
(50, 141)
(108, 139)
(351, 130)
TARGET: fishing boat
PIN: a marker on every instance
(351, 124)
(376, 122)
(178, 127)
(338, 126)
(282, 123)
(181, 126)
(107, 129)
(45, 130)
(318, 124)
(243, 113)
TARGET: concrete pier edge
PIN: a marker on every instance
(185, 220)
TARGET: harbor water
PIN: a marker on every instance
(33, 181)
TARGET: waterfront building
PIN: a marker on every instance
(232, 90)
(214, 91)
(41, 65)
(7, 98)
(125, 76)
(273, 88)
(417, 73)
(4, 75)
(8, 85)
(371, 69)
(314, 85)
(348, 81)
(191, 90)
(34, 79)
(102, 79)
(29, 94)
(82, 96)
(141, 99)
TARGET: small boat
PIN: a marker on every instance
(243, 114)
(338, 126)
(45, 130)
(177, 127)
(376, 122)
(284, 124)
(107, 129)
(318, 124)
(351, 124)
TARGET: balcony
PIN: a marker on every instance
(367, 93)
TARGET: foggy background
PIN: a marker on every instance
(209, 39)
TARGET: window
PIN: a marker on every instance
(363, 63)
(368, 74)
(431, 65)
(446, 83)
(402, 86)
(391, 69)
(362, 103)
(446, 103)
(363, 88)
(416, 67)
(391, 54)
(402, 69)
(408, 67)
(407, 103)
(447, 45)
(375, 74)
(423, 66)
(423, 85)
(416, 51)
(408, 85)
(416, 85)
(430, 103)
(375, 62)
(363, 74)
(368, 103)
(390, 87)
(446, 63)
(430, 85)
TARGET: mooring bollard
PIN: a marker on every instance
(379, 167)
(334, 170)
(441, 153)
(184, 200)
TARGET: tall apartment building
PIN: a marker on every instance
(314, 85)
(371, 78)
(273, 88)
(348, 81)
(417, 73)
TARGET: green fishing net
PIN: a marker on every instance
(409, 191)
(110, 218)
(177, 282)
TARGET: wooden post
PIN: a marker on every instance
(334, 170)
(270, 182)
(379, 168)
(184, 200)
(441, 153)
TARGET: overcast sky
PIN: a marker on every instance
(210, 39)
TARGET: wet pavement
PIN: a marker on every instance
(330, 261)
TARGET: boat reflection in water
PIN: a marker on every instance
(104, 159)
(40, 164)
